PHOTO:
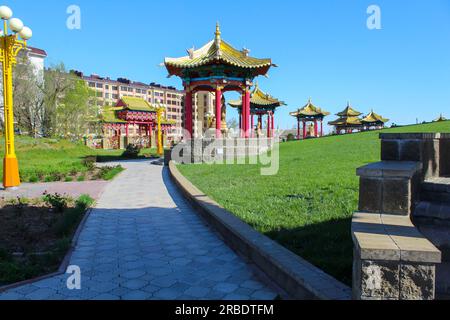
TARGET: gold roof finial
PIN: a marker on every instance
(218, 32)
(218, 40)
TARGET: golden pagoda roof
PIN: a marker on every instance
(441, 118)
(349, 112)
(373, 117)
(136, 104)
(346, 121)
(309, 110)
(108, 115)
(214, 52)
(259, 98)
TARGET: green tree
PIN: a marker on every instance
(74, 111)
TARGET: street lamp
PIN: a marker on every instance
(159, 112)
(10, 46)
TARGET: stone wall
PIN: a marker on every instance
(210, 150)
(392, 259)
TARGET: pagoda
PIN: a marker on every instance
(310, 114)
(131, 113)
(348, 120)
(217, 67)
(440, 119)
(373, 121)
(261, 104)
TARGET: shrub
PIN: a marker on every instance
(89, 162)
(290, 137)
(56, 201)
(81, 178)
(33, 179)
(68, 179)
(132, 151)
(108, 172)
(84, 201)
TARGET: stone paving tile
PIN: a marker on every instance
(143, 241)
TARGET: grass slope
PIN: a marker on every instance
(308, 205)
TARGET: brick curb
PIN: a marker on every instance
(299, 278)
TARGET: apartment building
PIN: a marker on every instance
(108, 91)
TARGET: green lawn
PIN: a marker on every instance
(308, 205)
(52, 159)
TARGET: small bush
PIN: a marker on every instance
(132, 151)
(68, 179)
(84, 201)
(108, 173)
(290, 137)
(89, 162)
(33, 179)
(81, 178)
(56, 201)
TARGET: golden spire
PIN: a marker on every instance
(218, 40)
(218, 32)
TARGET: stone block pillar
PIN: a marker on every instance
(420, 147)
(389, 187)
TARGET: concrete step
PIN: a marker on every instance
(436, 190)
(432, 213)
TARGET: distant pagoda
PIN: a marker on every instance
(310, 113)
(440, 119)
(348, 120)
(373, 121)
(261, 104)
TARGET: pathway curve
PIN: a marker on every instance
(143, 241)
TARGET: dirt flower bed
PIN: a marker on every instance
(35, 234)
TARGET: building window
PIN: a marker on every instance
(100, 85)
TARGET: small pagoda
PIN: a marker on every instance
(440, 119)
(217, 67)
(373, 121)
(310, 116)
(131, 114)
(348, 120)
(261, 104)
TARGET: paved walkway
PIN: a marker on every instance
(72, 189)
(143, 241)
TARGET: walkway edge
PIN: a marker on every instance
(299, 278)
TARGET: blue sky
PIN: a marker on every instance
(323, 48)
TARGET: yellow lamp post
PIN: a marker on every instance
(10, 46)
(159, 112)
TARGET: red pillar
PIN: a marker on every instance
(246, 112)
(218, 112)
(252, 126)
(298, 128)
(188, 113)
(240, 123)
(321, 128)
(272, 117)
(304, 129)
(150, 128)
(315, 128)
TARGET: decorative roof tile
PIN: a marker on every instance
(217, 51)
(309, 110)
(259, 99)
